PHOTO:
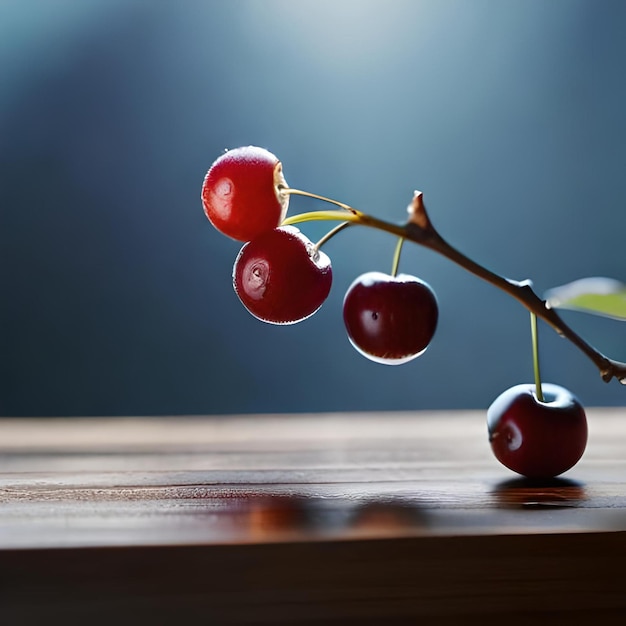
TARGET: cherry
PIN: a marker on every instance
(281, 277)
(240, 193)
(390, 319)
(538, 439)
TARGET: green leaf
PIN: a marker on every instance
(597, 295)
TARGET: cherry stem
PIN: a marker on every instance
(419, 230)
(308, 194)
(330, 234)
(535, 341)
(396, 257)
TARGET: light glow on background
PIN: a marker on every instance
(509, 116)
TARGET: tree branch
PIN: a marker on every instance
(420, 230)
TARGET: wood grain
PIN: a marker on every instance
(335, 519)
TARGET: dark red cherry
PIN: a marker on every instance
(240, 193)
(390, 319)
(533, 438)
(280, 277)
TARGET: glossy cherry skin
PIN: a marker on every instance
(280, 277)
(537, 439)
(240, 194)
(390, 319)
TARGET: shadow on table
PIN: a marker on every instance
(528, 493)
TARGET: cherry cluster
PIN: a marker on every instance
(282, 277)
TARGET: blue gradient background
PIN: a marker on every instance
(115, 291)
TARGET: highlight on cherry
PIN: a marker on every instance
(538, 430)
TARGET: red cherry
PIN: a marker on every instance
(390, 319)
(240, 193)
(280, 277)
(533, 438)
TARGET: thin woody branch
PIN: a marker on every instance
(420, 230)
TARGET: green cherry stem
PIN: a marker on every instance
(535, 341)
(315, 196)
(396, 257)
(420, 230)
(330, 234)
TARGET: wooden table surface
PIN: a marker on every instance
(372, 518)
